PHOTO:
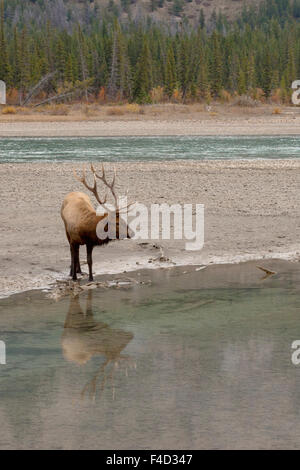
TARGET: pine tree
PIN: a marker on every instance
(61, 62)
(120, 73)
(261, 49)
(143, 77)
(170, 73)
(16, 64)
(267, 74)
(5, 69)
(242, 85)
(291, 63)
(69, 70)
(184, 65)
(25, 72)
(250, 73)
(216, 66)
(82, 56)
(202, 19)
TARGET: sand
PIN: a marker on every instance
(116, 128)
(251, 212)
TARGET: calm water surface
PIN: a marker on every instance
(146, 148)
(194, 360)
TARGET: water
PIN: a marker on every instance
(146, 148)
(194, 360)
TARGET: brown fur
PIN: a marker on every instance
(81, 221)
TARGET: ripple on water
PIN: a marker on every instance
(147, 148)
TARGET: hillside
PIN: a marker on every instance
(173, 10)
(105, 50)
(65, 12)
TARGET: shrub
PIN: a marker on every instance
(89, 110)
(13, 96)
(157, 95)
(102, 95)
(246, 101)
(257, 94)
(57, 109)
(225, 96)
(9, 110)
(115, 111)
(177, 96)
(276, 96)
(132, 108)
(23, 110)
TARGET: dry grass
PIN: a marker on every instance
(225, 96)
(130, 108)
(115, 111)
(9, 110)
(277, 111)
(56, 109)
(245, 101)
(157, 95)
(24, 110)
(80, 111)
(90, 110)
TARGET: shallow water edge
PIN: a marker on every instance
(190, 360)
(162, 270)
(131, 266)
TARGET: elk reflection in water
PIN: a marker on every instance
(84, 338)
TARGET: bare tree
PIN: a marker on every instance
(44, 80)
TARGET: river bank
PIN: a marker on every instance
(251, 212)
(155, 120)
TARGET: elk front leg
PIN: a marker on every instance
(89, 251)
(74, 260)
(78, 268)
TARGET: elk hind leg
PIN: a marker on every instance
(89, 251)
(78, 267)
(74, 260)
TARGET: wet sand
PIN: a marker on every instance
(251, 212)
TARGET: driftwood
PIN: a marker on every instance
(44, 80)
(266, 271)
(63, 288)
(56, 98)
(77, 89)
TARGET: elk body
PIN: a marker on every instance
(81, 220)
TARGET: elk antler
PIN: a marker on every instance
(90, 188)
(111, 185)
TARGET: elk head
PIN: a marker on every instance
(115, 215)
